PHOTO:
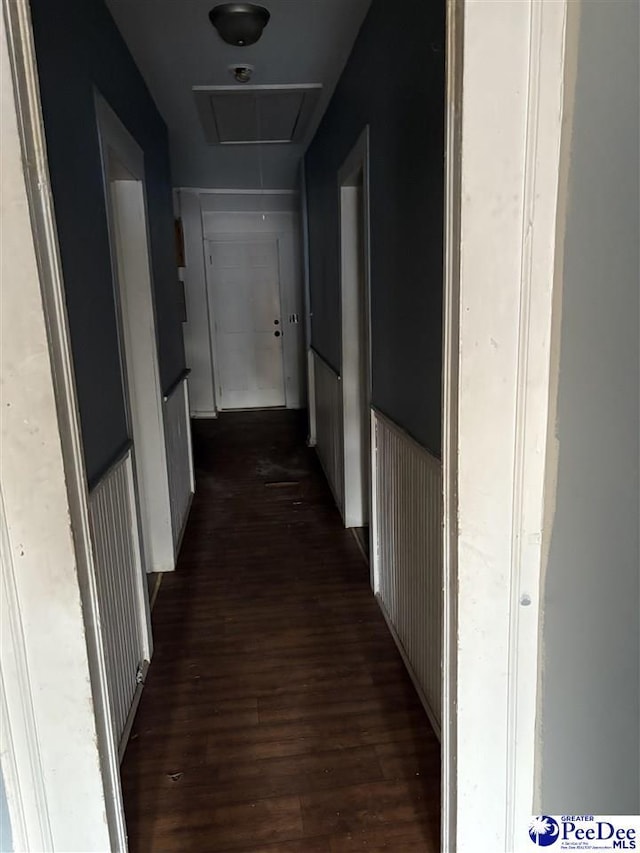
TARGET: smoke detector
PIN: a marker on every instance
(241, 73)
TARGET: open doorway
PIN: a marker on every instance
(307, 538)
(353, 184)
(123, 167)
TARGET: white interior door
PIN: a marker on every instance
(244, 281)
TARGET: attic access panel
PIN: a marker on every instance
(256, 114)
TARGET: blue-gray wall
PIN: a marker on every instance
(394, 81)
(79, 49)
(589, 720)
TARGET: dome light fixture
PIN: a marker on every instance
(239, 24)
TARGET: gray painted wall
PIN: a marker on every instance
(590, 703)
(393, 81)
(78, 48)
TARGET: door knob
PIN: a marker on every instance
(277, 334)
(276, 322)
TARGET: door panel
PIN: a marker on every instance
(244, 277)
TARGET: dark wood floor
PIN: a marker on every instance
(277, 714)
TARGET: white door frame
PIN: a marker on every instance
(63, 787)
(238, 237)
(309, 362)
(505, 102)
(137, 326)
(357, 507)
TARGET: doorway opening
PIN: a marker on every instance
(123, 168)
(353, 185)
(376, 699)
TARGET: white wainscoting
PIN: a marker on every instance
(408, 571)
(177, 431)
(328, 423)
(121, 590)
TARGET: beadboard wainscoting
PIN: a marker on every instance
(407, 483)
(327, 395)
(177, 431)
(121, 590)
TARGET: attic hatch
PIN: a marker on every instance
(256, 114)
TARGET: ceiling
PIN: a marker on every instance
(176, 48)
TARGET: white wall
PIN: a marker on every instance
(589, 712)
(54, 754)
(205, 216)
(505, 108)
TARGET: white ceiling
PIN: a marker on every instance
(176, 48)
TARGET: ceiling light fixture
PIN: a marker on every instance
(240, 24)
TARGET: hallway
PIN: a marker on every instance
(277, 713)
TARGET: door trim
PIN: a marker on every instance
(22, 761)
(139, 356)
(451, 342)
(43, 234)
(306, 282)
(499, 290)
(240, 237)
(355, 417)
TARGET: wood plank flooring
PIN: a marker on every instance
(277, 714)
